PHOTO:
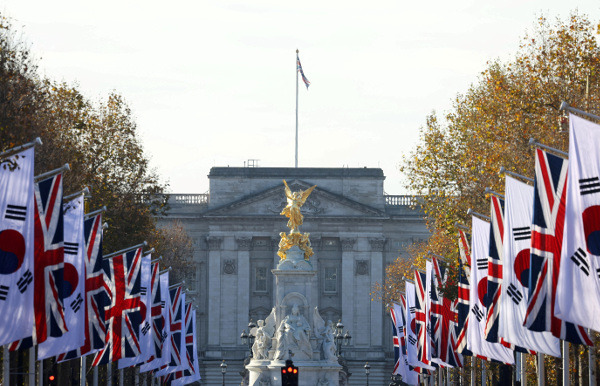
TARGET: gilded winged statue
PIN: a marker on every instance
(295, 200)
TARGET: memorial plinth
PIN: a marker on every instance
(294, 330)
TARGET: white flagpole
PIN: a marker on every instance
(82, 371)
(522, 369)
(32, 365)
(121, 377)
(95, 376)
(109, 373)
(297, 51)
(6, 366)
(592, 359)
(566, 379)
(472, 371)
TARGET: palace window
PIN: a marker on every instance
(331, 280)
(260, 279)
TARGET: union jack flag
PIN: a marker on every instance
(124, 312)
(464, 272)
(442, 317)
(176, 336)
(97, 291)
(400, 363)
(423, 354)
(161, 309)
(189, 346)
(49, 264)
(158, 320)
(494, 277)
(546, 244)
(454, 357)
(299, 68)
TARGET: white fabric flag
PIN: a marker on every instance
(16, 246)
(411, 340)
(145, 334)
(518, 212)
(401, 365)
(74, 280)
(480, 239)
(428, 278)
(166, 341)
(177, 334)
(195, 370)
(578, 288)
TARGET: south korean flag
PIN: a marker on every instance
(16, 246)
(578, 289)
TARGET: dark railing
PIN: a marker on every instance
(400, 200)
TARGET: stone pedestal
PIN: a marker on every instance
(295, 329)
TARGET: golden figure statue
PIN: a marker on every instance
(295, 200)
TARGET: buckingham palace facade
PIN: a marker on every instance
(355, 230)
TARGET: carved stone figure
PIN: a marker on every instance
(325, 336)
(329, 350)
(260, 348)
(293, 335)
(294, 201)
(263, 337)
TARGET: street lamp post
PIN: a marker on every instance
(223, 370)
(367, 371)
(341, 339)
(248, 338)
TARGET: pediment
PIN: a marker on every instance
(271, 201)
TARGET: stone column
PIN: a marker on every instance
(214, 289)
(377, 245)
(229, 301)
(347, 287)
(244, 245)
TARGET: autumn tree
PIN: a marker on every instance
(176, 248)
(460, 153)
(488, 127)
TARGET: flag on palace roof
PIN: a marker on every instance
(299, 68)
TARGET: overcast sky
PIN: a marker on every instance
(212, 83)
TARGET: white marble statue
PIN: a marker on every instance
(260, 348)
(329, 350)
(325, 336)
(293, 335)
(263, 337)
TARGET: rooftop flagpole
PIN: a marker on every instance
(297, 59)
